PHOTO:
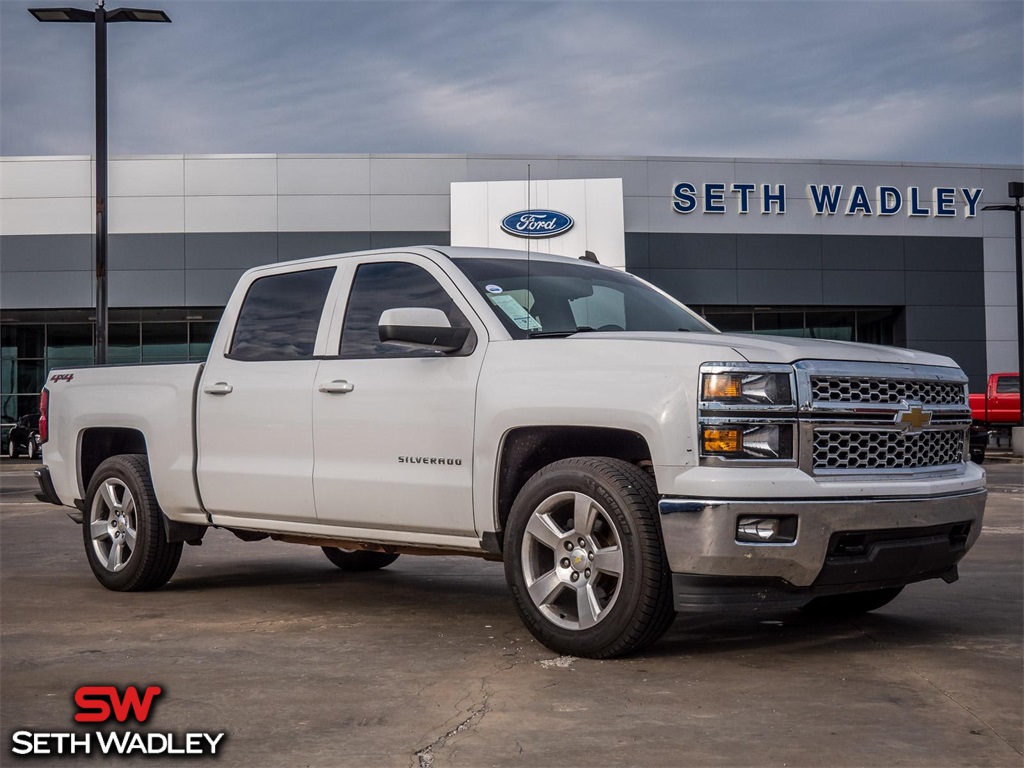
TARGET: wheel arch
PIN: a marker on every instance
(97, 444)
(526, 450)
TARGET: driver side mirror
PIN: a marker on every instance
(421, 328)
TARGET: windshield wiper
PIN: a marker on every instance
(559, 334)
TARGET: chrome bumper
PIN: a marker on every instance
(700, 534)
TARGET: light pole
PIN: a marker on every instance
(1016, 191)
(100, 17)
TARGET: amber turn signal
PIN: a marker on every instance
(722, 386)
(718, 440)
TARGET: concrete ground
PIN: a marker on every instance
(426, 663)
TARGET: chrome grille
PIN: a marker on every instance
(878, 450)
(850, 389)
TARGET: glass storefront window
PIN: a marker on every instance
(164, 341)
(779, 323)
(836, 326)
(68, 341)
(123, 343)
(200, 338)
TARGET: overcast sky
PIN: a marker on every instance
(917, 81)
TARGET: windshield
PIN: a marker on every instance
(559, 299)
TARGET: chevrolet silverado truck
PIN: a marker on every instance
(623, 458)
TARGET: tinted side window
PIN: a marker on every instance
(1007, 384)
(390, 285)
(280, 316)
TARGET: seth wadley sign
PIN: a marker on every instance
(827, 199)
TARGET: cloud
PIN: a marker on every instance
(923, 81)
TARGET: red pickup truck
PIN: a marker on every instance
(999, 406)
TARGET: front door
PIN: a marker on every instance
(393, 425)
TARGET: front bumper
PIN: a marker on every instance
(901, 540)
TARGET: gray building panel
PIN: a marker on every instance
(46, 253)
(779, 286)
(965, 323)
(798, 252)
(863, 287)
(147, 288)
(305, 245)
(160, 251)
(698, 286)
(867, 252)
(948, 289)
(669, 250)
(951, 254)
(401, 239)
(210, 287)
(35, 290)
(638, 251)
(229, 250)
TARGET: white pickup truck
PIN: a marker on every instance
(623, 458)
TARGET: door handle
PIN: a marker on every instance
(220, 388)
(338, 387)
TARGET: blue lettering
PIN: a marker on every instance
(685, 198)
(714, 198)
(825, 199)
(744, 191)
(890, 201)
(859, 202)
(915, 203)
(971, 200)
(768, 198)
(944, 201)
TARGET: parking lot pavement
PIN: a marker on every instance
(426, 663)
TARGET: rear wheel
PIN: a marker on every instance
(12, 449)
(31, 448)
(358, 559)
(852, 604)
(584, 559)
(123, 528)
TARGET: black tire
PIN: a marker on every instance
(853, 603)
(585, 608)
(358, 559)
(12, 449)
(31, 449)
(121, 494)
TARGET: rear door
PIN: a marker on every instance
(393, 426)
(255, 400)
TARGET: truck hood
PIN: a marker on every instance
(783, 349)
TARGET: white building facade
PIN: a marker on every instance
(881, 252)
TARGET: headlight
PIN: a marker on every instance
(747, 441)
(746, 388)
(747, 411)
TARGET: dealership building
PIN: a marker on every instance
(892, 253)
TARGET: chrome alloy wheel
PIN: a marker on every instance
(572, 560)
(112, 524)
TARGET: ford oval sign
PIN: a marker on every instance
(536, 223)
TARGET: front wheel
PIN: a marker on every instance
(358, 559)
(32, 450)
(584, 560)
(123, 528)
(852, 604)
(12, 449)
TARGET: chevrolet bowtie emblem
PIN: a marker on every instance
(915, 417)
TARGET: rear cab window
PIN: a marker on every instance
(280, 316)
